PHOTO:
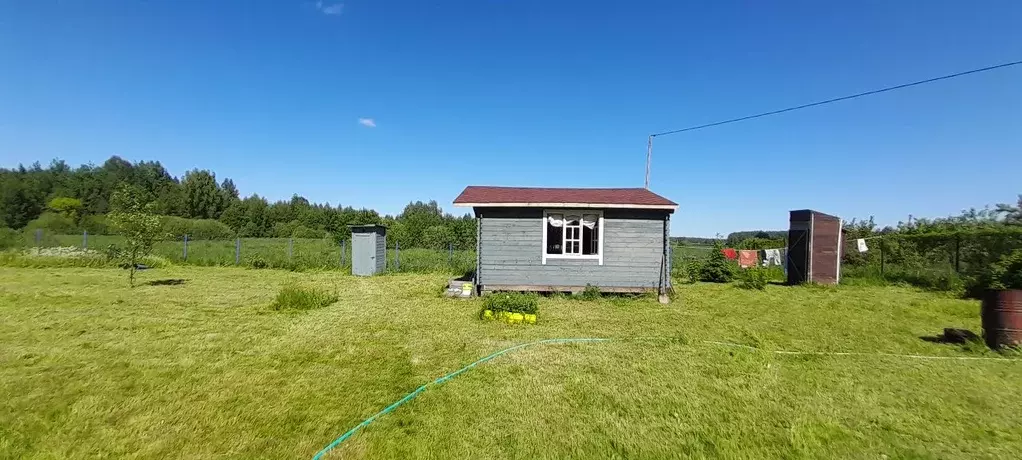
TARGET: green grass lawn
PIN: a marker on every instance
(204, 369)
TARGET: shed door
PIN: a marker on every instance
(798, 256)
(363, 254)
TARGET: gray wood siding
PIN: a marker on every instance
(511, 245)
(381, 252)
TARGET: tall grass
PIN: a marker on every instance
(293, 296)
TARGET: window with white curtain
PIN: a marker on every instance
(573, 234)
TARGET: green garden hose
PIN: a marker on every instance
(438, 381)
(447, 377)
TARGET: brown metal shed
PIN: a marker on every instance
(814, 248)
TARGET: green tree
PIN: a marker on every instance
(132, 216)
(203, 197)
(229, 190)
(18, 203)
(70, 208)
(436, 237)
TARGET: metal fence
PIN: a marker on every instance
(288, 253)
(908, 256)
(966, 253)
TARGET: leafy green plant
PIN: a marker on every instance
(52, 222)
(717, 268)
(753, 278)
(10, 238)
(293, 296)
(257, 262)
(1007, 272)
(196, 229)
(512, 302)
(590, 293)
(693, 269)
(133, 218)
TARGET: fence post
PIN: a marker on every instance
(958, 252)
(184, 255)
(85, 239)
(290, 248)
(38, 237)
(881, 257)
(237, 251)
(397, 256)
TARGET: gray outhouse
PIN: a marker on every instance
(368, 249)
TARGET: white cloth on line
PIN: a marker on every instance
(771, 257)
(587, 220)
(861, 242)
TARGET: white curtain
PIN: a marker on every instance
(588, 220)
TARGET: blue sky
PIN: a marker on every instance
(532, 93)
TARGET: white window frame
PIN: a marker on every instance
(599, 226)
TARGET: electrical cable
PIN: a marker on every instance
(839, 99)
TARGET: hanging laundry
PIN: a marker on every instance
(771, 257)
(748, 258)
(861, 242)
(731, 254)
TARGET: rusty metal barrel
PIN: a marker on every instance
(1002, 318)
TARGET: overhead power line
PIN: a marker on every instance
(839, 99)
(649, 145)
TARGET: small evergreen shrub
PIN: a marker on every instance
(590, 293)
(717, 268)
(693, 269)
(295, 297)
(753, 278)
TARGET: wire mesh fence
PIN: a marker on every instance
(284, 253)
(944, 261)
(929, 258)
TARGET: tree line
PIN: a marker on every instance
(63, 199)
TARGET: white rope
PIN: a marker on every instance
(855, 353)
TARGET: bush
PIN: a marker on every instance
(717, 268)
(257, 262)
(53, 223)
(590, 293)
(10, 238)
(753, 278)
(511, 302)
(1007, 272)
(302, 231)
(95, 225)
(693, 268)
(295, 297)
(196, 229)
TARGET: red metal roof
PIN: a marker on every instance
(618, 197)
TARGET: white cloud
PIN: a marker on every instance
(367, 122)
(332, 9)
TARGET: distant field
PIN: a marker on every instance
(201, 368)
